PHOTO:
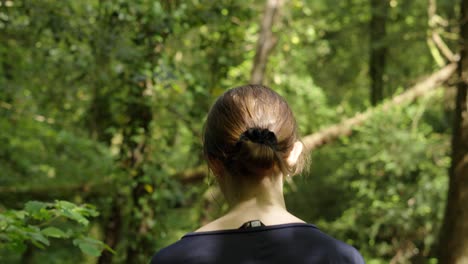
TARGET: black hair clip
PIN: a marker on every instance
(260, 136)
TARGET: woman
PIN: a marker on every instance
(251, 144)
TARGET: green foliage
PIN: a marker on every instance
(35, 153)
(388, 194)
(39, 223)
(104, 102)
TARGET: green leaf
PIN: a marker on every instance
(38, 237)
(90, 249)
(33, 207)
(106, 247)
(75, 216)
(89, 246)
(54, 232)
(65, 204)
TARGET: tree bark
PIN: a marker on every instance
(453, 247)
(378, 49)
(266, 41)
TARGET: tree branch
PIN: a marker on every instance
(444, 49)
(437, 46)
(344, 128)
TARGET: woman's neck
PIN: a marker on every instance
(264, 202)
(260, 198)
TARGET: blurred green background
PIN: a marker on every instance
(103, 102)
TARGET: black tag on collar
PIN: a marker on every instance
(252, 224)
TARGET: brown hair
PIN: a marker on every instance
(251, 130)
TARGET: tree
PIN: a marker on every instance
(453, 247)
(104, 103)
(266, 41)
(378, 50)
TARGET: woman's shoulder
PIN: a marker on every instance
(329, 246)
(308, 239)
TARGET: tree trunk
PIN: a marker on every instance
(133, 155)
(453, 247)
(140, 116)
(266, 41)
(378, 49)
(112, 231)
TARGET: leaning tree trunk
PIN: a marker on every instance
(453, 248)
(378, 50)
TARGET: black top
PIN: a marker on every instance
(285, 243)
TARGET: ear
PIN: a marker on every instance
(295, 153)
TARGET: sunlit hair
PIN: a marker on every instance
(250, 130)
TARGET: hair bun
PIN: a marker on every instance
(250, 131)
(260, 136)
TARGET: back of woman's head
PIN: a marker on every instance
(250, 131)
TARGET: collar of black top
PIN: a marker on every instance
(252, 224)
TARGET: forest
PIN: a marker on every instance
(102, 106)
